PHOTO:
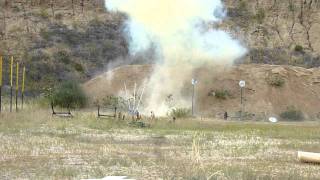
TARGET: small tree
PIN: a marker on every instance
(68, 95)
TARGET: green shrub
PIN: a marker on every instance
(58, 16)
(16, 8)
(44, 14)
(298, 48)
(180, 113)
(222, 94)
(260, 15)
(292, 114)
(62, 56)
(276, 81)
(78, 67)
(68, 95)
(113, 101)
(138, 124)
(45, 34)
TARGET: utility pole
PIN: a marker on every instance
(194, 82)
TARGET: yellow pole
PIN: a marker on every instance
(11, 82)
(1, 62)
(17, 85)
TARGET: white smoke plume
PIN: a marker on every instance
(179, 29)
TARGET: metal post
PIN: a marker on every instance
(242, 84)
(98, 110)
(241, 102)
(17, 93)
(193, 99)
(193, 82)
(22, 100)
(11, 82)
(17, 85)
(23, 84)
(11, 95)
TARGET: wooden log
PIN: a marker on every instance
(308, 157)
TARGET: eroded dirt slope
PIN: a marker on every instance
(301, 88)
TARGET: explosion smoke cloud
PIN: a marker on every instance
(180, 31)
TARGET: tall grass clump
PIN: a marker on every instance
(180, 113)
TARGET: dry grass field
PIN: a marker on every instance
(35, 145)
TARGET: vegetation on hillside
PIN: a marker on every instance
(63, 40)
(277, 32)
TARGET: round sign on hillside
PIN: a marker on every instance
(194, 81)
(242, 84)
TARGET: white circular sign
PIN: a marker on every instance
(242, 84)
(194, 82)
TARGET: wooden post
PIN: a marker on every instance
(17, 85)
(98, 110)
(23, 86)
(11, 82)
(1, 61)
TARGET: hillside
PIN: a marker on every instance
(263, 96)
(60, 40)
(277, 32)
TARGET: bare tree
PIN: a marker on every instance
(25, 16)
(6, 6)
(52, 3)
(72, 4)
(307, 18)
(82, 5)
(292, 12)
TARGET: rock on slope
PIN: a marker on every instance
(301, 88)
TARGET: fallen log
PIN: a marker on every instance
(308, 157)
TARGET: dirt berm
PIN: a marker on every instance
(270, 89)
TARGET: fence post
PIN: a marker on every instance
(11, 82)
(23, 84)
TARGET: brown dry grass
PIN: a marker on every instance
(35, 145)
